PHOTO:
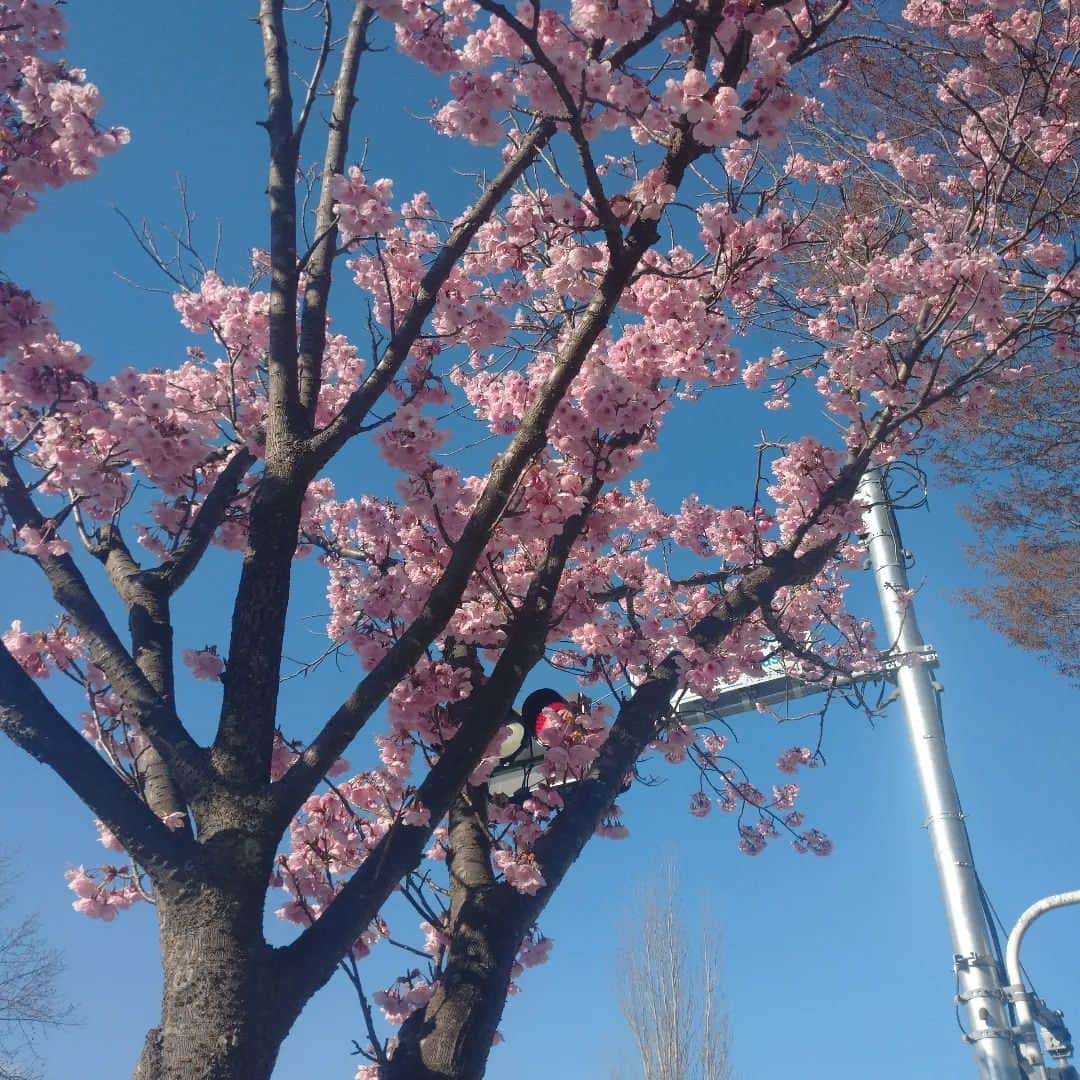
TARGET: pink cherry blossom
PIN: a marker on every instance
(204, 663)
(790, 760)
(520, 871)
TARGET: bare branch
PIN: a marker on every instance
(483, 945)
(320, 259)
(283, 417)
(150, 625)
(321, 58)
(668, 990)
(327, 442)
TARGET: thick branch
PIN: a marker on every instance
(146, 595)
(321, 259)
(154, 714)
(150, 627)
(452, 1036)
(469, 858)
(29, 719)
(314, 955)
(108, 546)
(245, 735)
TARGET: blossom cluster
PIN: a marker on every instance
(102, 893)
(41, 651)
(48, 111)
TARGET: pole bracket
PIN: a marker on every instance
(925, 655)
(962, 962)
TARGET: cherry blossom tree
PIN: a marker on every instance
(1018, 451)
(665, 176)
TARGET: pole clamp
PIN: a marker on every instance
(988, 1033)
(982, 992)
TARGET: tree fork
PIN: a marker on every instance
(443, 1041)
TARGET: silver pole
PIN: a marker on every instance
(980, 982)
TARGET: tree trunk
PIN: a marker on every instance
(452, 1037)
(221, 1014)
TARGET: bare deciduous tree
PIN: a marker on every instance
(669, 990)
(28, 1000)
(1022, 457)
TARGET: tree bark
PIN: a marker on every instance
(451, 1038)
(221, 1011)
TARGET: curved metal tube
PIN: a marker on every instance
(1030, 1047)
(1040, 907)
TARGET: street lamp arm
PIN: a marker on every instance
(1030, 1011)
(1040, 907)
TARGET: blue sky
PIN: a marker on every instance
(837, 967)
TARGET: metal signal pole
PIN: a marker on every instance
(984, 989)
(980, 980)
